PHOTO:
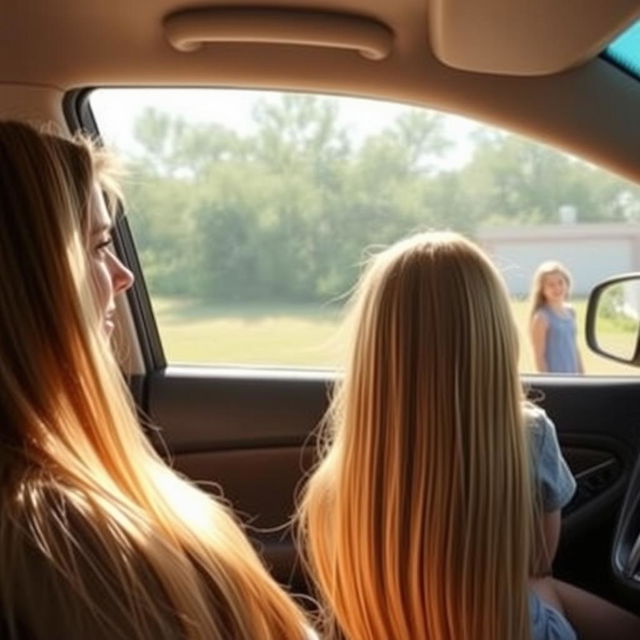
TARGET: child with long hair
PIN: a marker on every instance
(424, 518)
(99, 538)
(553, 321)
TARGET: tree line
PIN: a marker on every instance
(285, 212)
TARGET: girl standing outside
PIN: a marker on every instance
(437, 494)
(99, 538)
(553, 321)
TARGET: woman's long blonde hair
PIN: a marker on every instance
(417, 522)
(86, 503)
(536, 298)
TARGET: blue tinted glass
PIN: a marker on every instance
(625, 49)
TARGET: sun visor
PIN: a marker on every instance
(525, 38)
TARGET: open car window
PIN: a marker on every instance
(253, 211)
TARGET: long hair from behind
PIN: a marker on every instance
(417, 521)
(85, 498)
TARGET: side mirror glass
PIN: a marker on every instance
(613, 319)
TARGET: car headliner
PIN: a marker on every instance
(588, 108)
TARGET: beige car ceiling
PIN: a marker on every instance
(524, 65)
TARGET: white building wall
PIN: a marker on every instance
(589, 261)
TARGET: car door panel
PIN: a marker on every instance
(248, 433)
(598, 425)
(260, 485)
(597, 421)
(234, 408)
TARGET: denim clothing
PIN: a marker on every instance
(556, 486)
(554, 481)
(547, 623)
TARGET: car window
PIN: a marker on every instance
(253, 211)
(625, 50)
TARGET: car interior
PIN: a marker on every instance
(544, 71)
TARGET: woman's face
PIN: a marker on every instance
(554, 287)
(108, 274)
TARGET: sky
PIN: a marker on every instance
(115, 111)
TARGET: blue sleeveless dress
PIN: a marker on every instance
(560, 350)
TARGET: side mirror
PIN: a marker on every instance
(613, 319)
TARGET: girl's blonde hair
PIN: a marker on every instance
(123, 544)
(537, 284)
(417, 522)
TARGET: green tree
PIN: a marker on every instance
(286, 210)
(515, 181)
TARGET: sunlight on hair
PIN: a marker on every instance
(95, 528)
(417, 520)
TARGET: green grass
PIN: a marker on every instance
(247, 334)
(299, 335)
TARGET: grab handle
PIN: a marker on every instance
(191, 30)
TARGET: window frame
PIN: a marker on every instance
(79, 117)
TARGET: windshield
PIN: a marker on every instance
(625, 50)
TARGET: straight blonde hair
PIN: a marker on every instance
(417, 522)
(126, 546)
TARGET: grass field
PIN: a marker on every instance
(299, 336)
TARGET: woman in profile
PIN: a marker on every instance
(99, 538)
(434, 511)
